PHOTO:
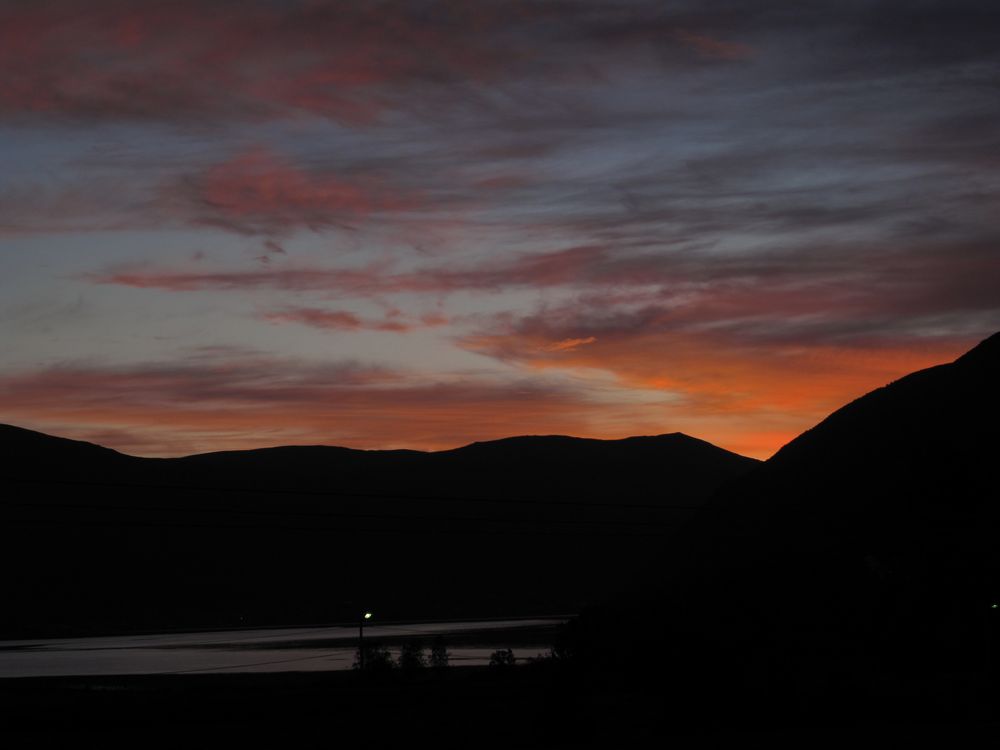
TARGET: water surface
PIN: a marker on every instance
(265, 650)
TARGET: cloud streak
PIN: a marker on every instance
(183, 60)
(756, 348)
(343, 320)
(258, 192)
(860, 282)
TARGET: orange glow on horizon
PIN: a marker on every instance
(750, 405)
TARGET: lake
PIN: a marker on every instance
(305, 649)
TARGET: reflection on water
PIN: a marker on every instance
(275, 650)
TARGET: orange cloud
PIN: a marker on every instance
(568, 345)
(745, 399)
(748, 398)
(219, 402)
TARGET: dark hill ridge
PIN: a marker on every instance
(521, 525)
(23, 444)
(19, 446)
(544, 467)
(665, 469)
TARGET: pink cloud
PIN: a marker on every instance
(568, 345)
(362, 281)
(326, 319)
(341, 320)
(584, 264)
(738, 392)
(113, 58)
(710, 46)
(785, 295)
(254, 59)
(258, 191)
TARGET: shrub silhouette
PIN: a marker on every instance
(411, 656)
(502, 657)
(439, 653)
(377, 658)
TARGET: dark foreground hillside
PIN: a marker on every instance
(95, 541)
(542, 705)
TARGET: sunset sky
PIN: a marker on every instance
(233, 224)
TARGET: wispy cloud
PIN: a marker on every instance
(187, 60)
(811, 288)
(342, 320)
(569, 345)
(259, 192)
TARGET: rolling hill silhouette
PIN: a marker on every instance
(105, 541)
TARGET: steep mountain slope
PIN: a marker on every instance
(907, 470)
(26, 450)
(864, 548)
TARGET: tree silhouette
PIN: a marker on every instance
(439, 653)
(502, 657)
(377, 658)
(411, 656)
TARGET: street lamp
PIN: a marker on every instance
(361, 639)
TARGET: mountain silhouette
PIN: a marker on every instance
(904, 472)
(26, 448)
(294, 534)
(863, 551)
